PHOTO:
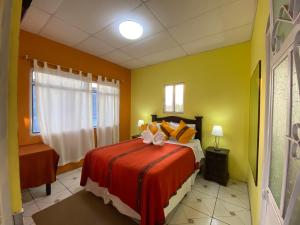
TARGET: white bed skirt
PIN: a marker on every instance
(102, 192)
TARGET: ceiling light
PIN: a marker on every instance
(131, 30)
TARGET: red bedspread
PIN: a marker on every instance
(143, 176)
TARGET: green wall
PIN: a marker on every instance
(216, 87)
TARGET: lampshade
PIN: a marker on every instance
(217, 131)
(140, 123)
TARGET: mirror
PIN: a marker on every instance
(254, 109)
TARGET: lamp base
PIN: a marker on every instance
(217, 141)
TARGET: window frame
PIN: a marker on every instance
(31, 84)
(94, 91)
(174, 97)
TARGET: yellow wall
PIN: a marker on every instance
(258, 52)
(13, 152)
(216, 87)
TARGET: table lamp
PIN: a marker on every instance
(140, 123)
(217, 132)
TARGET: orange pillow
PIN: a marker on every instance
(183, 133)
(153, 127)
(166, 128)
(144, 127)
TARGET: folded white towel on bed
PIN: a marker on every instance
(156, 139)
(147, 136)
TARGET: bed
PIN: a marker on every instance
(145, 182)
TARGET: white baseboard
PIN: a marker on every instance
(18, 218)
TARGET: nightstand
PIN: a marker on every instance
(216, 165)
(135, 136)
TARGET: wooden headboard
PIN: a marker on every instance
(176, 119)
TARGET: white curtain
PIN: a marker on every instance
(64, 109)
(108, 106)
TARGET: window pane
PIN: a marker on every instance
(293, 164)
(279, 143)
(179, 97)
(34, 119)
(169, 89)
(94, 99)
(94, 86)
(33, 76)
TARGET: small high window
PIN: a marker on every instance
(174, 98)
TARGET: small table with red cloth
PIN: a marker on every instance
(38, 166)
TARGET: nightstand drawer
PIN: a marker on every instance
(214, 158)
(217, 161)
(215, 154)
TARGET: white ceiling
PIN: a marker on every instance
(172, 28)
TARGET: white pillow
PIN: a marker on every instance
(192, 125)
(175, 125)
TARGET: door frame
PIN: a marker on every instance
(271, 62)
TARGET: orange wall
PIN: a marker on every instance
(53, 52)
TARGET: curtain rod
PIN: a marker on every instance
(29, 58)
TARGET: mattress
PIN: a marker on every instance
(102, 192)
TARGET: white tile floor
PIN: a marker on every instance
(207, 204)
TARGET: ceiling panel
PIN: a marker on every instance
(94, 46)
(238, 13)
(49, 6)
(64, 33)
(141, 14)
(219, 20)
(133, 64)
(155, 43)
(206, 24)
(117, 56)
(93, 15)
(112, 36)
(163, 56)
(173, 12)
(34, 20)
(227, 38)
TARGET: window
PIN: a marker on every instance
(174, 94)
(34, 118)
